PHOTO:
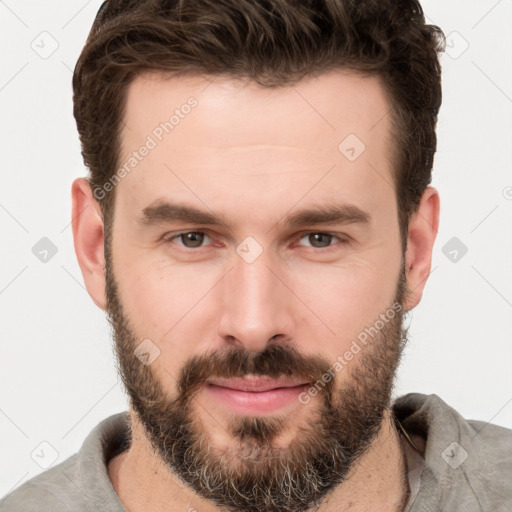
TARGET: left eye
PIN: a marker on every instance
(320, 240)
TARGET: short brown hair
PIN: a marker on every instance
(275, 43)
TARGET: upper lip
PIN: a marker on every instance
(255, 383)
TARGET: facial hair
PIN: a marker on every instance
(253, 474)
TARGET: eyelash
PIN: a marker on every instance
(343, 240)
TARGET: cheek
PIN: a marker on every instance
(343, 300)
(167, 304)
(159, 297)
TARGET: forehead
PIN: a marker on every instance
(227, 133)
(331, 103)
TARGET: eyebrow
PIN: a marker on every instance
(166, 212)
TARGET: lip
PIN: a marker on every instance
(255, 395)
(255, 384)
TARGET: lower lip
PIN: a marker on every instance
(256, 402)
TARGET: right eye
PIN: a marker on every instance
(189, 239)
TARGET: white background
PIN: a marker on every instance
(57, 378)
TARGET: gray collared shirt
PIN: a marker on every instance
(463, 465)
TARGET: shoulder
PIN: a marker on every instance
(80, 483)
(52, 490)
(432, 418)
(467, 461)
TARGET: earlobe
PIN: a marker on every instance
(88, 237)
(423, 228)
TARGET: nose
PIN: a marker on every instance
(256, 305)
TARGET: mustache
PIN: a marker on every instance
(278, 360)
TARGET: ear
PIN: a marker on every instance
(423, 228)
(88, 236)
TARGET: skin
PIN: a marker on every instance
(254, 156)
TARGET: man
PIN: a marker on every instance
(257, 223)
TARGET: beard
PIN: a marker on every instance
(253, 474)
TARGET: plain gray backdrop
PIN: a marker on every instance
(57, 378)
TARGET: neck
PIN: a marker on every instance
(377, 482)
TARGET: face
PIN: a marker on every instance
(255, 257)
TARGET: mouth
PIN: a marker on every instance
(255, 395)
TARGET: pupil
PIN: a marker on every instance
(327, 239)
(194, 238)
